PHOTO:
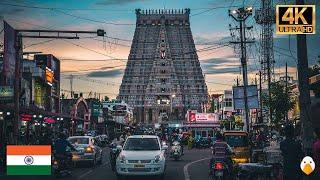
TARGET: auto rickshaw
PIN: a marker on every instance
(239, 142)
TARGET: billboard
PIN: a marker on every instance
(49, 76)
(9, 58)
(207, 117)
(238, 97)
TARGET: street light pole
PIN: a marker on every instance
(240, 15)
(171, 98)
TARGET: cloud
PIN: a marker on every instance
(117, 2)
(10, 11)
(111, 73)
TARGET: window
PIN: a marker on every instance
(228, 102)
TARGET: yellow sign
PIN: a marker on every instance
(295, 19)
(49, 76)
(307, 165)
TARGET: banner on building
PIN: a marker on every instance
(49, 76)
(9, 58)
(207, 117)
(252, 94)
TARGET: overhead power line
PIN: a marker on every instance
(93, 20)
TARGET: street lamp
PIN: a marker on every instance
(171, 98)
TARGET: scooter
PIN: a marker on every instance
(176, 151)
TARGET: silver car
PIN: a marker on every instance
(88, 149)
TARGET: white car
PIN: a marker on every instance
(88, 149)
(141, 155)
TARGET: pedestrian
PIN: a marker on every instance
(292, 155)
(190, 142)
(316, 153)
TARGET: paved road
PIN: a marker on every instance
(188, 168)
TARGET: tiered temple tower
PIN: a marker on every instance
(163, 78)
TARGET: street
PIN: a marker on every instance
(188, 168)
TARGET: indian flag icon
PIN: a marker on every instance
(28, 160)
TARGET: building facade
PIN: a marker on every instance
(163, 77)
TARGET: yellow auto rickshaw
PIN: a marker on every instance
(239, 142)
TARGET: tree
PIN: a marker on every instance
(281, 101)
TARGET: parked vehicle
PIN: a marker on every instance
(202, 143)
(88, 149)
(141, 155)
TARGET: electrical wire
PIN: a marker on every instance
(93, 20)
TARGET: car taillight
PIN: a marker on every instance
(218, 166)
(89, 149)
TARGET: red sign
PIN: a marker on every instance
(192, 117)
(26, 117)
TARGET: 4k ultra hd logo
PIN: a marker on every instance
(296, 19)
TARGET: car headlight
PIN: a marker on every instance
(157, 158)
(122, 159)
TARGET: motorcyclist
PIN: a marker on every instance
(114, 151)
(222, 152)
(60, 148)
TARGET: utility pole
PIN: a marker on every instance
(304, 97)
(71, 86)
(265, 16)
(237, 81)
(287, 92)
(19, 56)
(260, 96)
(240, 15)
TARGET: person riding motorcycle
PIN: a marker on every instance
(114, 152)
(176, 138)
(60, 149)
(222, 152)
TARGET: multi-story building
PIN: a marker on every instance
(225, 108)
(163, 77)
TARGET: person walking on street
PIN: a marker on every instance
(292, 155)
(190, 142)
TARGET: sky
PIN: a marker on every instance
(98, 63)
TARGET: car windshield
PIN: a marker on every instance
(79, 140)
(237, 141)
(142, 144)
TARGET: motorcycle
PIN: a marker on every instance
(176, 151)
(114, 152)
(202, 143)
(62, 165)
(219, 171)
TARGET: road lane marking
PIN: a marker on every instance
(185, 168)
(85, 174)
